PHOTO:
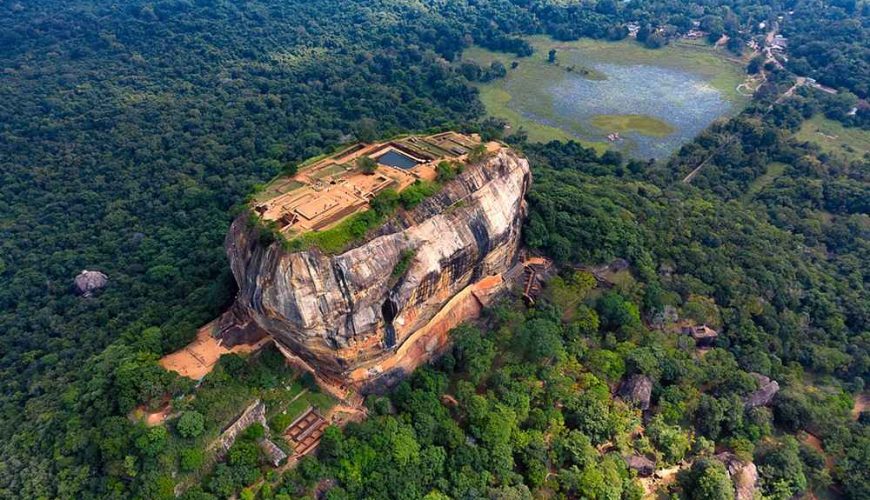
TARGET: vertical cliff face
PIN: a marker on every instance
(348, 315)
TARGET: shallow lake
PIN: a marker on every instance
(679, 99)
(656, 100)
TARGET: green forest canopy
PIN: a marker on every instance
(129, 131)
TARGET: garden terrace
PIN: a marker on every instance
(327, 190)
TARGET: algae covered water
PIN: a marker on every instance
(677, 106)
(645, 103)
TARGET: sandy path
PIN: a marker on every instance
(198, 358)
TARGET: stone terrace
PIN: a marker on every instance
(328, 190)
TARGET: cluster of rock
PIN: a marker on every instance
(340, 313)
(640, 464)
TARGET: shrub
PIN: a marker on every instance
(191, 424)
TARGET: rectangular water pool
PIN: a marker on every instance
(396, 159)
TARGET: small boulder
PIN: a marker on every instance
(642, 465)
(619, 264)
(638, 390)
(767, 389)
(89, 282)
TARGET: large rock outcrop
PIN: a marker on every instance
(743, 474)
(349, 317)
(637, 390)
(87, 283)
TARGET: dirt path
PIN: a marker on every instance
(815, 443)
(788, 93)
(697, 169)
(661, 478)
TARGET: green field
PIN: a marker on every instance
(848, 143)
(774, 170)
(646, 125)
(523, 98)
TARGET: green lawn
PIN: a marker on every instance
(848, 143)
(643, 124)
(774, 170)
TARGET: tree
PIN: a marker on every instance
(669, 439)
(780, 469)
(243, 453)
(607, 7)
(190, 424)
(755, 65)
(708, 480)
(655, 41)
(474, 353)
(574, 448)
(191, 459)
(444, 172)
(551, 56)
(366, 165)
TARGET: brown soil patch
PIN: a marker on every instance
(198, 358)
(152, 418)
(815, 443)
(861, 404)
(158, 417)
(660, 479)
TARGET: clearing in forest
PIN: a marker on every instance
(848, 143)
(774, 170)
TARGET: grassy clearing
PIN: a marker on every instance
(835, 139)
(645, 125)
(337, 238)
(326, 172)
(774, 170)
(323, 402)
(275, 188)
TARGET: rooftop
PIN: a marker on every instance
(326, 191)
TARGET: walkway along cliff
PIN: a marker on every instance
(349, 318)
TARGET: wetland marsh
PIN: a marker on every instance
(655, 100)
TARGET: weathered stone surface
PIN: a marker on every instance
(343, 313)
(642, 465)
(273, 453)
(89, 282)
(256, 412)
(767, 389)
(637, 390)
(744, 475)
